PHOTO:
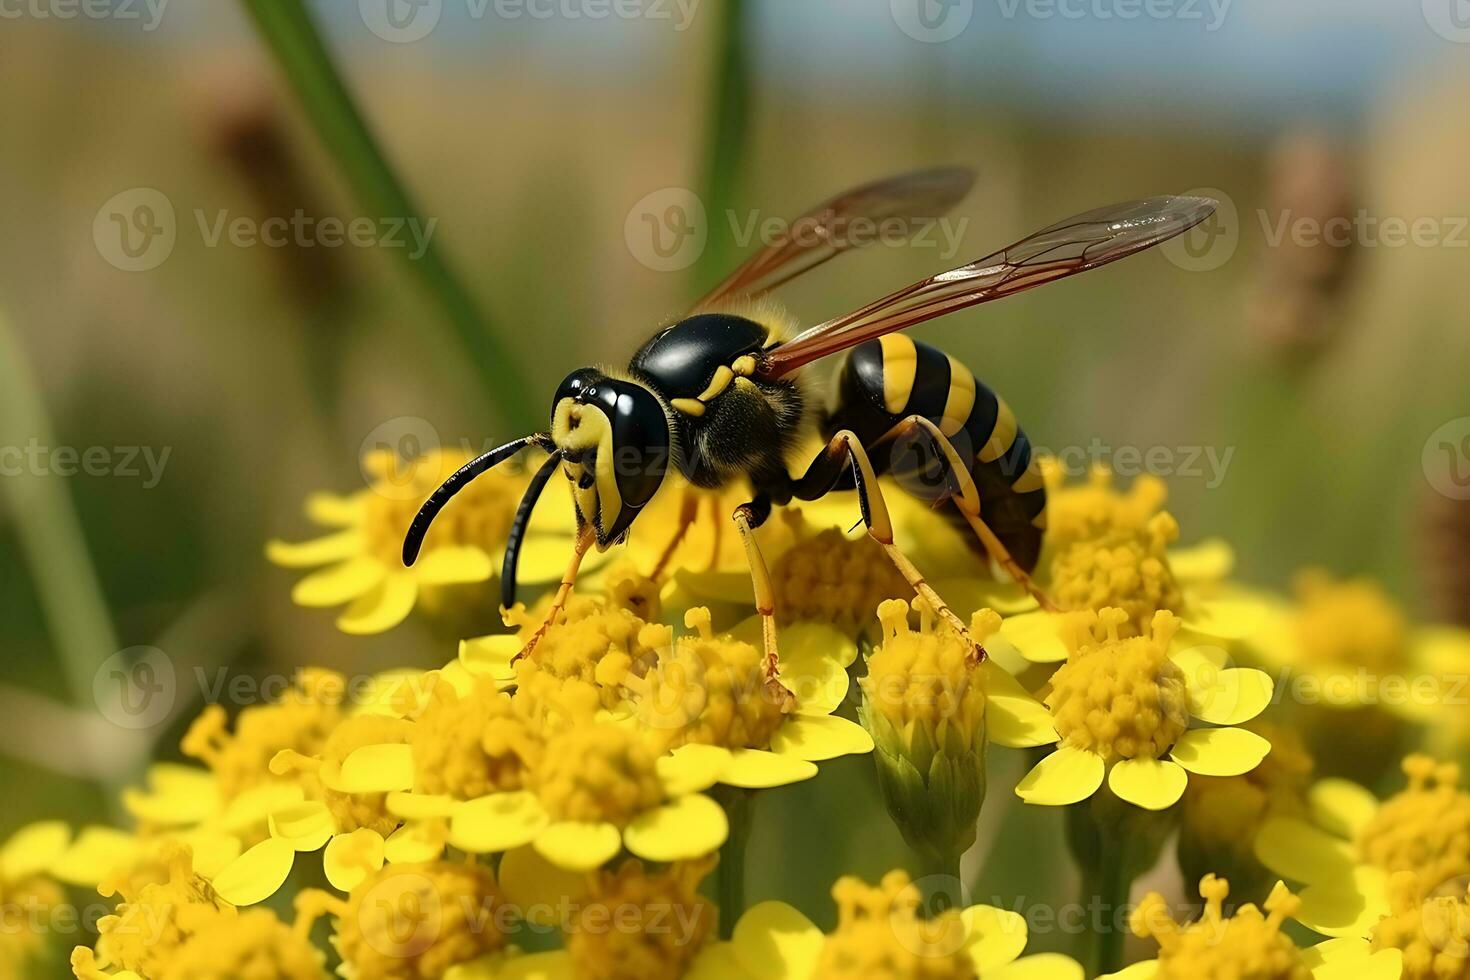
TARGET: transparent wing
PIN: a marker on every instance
(846, 221)
(1066, 248)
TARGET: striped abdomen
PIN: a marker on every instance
(885, 381)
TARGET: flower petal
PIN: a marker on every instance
(257, 874)
(318, 551)
(1035, 635)
(994, 937)
(415, 843)
(335, 509)
(1341, 806)
(305, 826)
(33, 849)
(382, 768)
(1349, 949)
(817, 738)
(966, 595)
(350, 858)
(176, 796)
(578, 846)
(383, 607)
(692, 768)
(1055, 966)
(755, 769)
(96, 853)
(1148, 783)
(1386, 964)
(1142, 970)
(774, 940)
(537, 887)
(1229, 697)
(250, 810)
(688, 827)
(553, 964)
(212, 851)
(491, 656)
(458, 565)
(714, 586)
(1066, 776)
(339, 583)
(1345, 907)
(1233, 616)
(421, 806)
(1220, 751)
(543, 558)
(1208, 561)
(1013, 718)
(497, 822)
(1298, 850)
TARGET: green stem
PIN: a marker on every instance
(1113, 887)
(297, 45)
(939, 877)
(738, 804)
(725, 138)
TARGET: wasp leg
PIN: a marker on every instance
(585, 539)
(846, 450)
(688, 513)
(747, 518)
(967, 500)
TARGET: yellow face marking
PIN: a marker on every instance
(689, 406)
(1002, 435)
(577, 428)
(721, 381)
(960, 400)
(1029, 480)
(900, 365)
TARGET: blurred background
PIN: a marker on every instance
(180, 372)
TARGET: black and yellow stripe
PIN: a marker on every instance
(885, 381)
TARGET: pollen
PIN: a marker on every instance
(830, 578)
(415, 921)
(1425, 828)
(1349, 623)
(479, 515)
(1247, 944)
(708, 689)
(590, 630)
(881, 935)
(1433, 932)
(662, 922)
(1120, 697)
(924, 679)
(255, 945)
(598, 772)
(1124, 568)
(300, 722)
(471, 746)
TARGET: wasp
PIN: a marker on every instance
(721, 396)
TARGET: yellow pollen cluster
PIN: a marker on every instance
(467, 747)
(925, 678)
(300, 722)
(1425, 828)
(1246, 945)
(1123, 568)
(881, 936)
(597, 772)
(641, 925)
(1095, 508)
(708, 689)
(1352, 623)
(415, 921)
(254, 945)
(829, 578)
(1120, 698)
(1433, 932)
(589, 631)
(479, 515)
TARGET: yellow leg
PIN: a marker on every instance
(585, 539)
(688, 513)
(765, 602)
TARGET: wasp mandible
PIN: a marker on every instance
(720, 396)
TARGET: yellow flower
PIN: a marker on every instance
(1246, 945)
(254, 945)
(1432, 932)
(28, 864)
(1119, 705)
(1352, 843)
(363, 555)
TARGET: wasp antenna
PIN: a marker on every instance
(414, 539)
(518, 528)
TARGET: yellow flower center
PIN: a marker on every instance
(597, 772)
(830, 578)
(924, 677)
(300, 722)
(1433, 932)
(881, 936)
(589, 631)
(1425, 828)
(1096, 508)
(1120, 568)
(254, 945)
(471, 746)
(1222, 813)
(1349, 624)
(1120, 698)
(479, 515)
(637, 924)
(1246, 946)
(415, 921)
(707, 689)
